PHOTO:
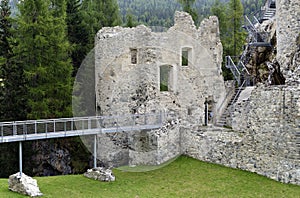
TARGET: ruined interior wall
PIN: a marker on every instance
(265, 141)
(288, 41)
(123, 87)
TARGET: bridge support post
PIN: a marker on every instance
(95, 151)
(20, 158)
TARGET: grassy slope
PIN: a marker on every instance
(185, 177)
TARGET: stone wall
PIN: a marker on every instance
(132, 64)
(123, 87)
(288, 41)
(265, 136)
(264, 140)
(143, 147)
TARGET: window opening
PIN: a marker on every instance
(133, 53)
(165, 78)
(185, 57)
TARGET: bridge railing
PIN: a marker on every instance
(66, 125)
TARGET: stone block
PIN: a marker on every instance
(24, 185)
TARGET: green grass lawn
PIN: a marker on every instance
(184, 177)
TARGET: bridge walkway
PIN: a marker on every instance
(19, 131)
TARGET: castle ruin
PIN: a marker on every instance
(178, 71)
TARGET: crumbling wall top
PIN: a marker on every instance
(183, 21)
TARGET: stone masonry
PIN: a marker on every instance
(131, 64)
(264, 139)
(143, 72)
(288, 38)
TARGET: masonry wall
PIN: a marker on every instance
(128, 69)
(288, 38)
(266, 140)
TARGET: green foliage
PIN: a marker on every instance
(130, 19)
(252, 7)
(42, 47)
(233, 37)
(97, 14)
(150, 12)
(12, 90)
(160, 13)
(76, 36)
(164, 77)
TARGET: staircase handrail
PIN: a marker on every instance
(244, 67)
(222, 104)
(252, 30)
(250, 23)
(239, 91)
(256, 20)
(230, 64)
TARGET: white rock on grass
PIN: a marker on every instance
(101, 174)
(24, 185)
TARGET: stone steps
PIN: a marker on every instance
(223, 119)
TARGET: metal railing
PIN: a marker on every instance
(62, 127)
(239, 70)
(231, 65)
(257, 36)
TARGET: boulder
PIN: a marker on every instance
(24, 185)
(101, 174)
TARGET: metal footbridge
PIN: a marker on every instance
(78, 126)
(19, 131)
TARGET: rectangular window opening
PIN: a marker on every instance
(185, 57)
(133, 53)
(165, 78)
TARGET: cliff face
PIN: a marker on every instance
(261, 61)
(59, 157)
(278, 63)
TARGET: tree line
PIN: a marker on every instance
(41, 49)
(160, 13)
(42, 45)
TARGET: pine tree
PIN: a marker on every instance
(219, 9)
(235, 37)
(12, 93)
(130, 19)
(42, 47)
(97, 14)
(76, 35)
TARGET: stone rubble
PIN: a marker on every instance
(101, 174)
(24, 185)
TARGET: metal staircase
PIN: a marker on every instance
(222, 121)
(270, 10)
(239, 70)
(269, 14)
(257, 38)
(260, 37)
